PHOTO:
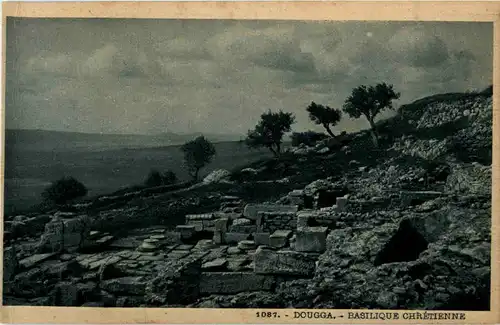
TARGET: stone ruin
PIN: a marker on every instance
(257, 244)
(240, 248)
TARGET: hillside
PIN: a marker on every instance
(103, 163)
(402, 226)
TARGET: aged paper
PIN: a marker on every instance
(250, 162)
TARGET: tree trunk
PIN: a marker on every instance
(278, 148)
(273, 151)
(374, 132)
(195, 176)
(329, 131)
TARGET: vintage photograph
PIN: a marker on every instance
(248, 164)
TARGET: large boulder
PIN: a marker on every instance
(217, 176)
(438, 260)
(65, 234)
(470, 179)
(178, 282)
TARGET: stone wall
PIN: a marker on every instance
(272, 221)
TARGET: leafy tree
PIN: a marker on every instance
(197, 154)
(370, 101)
(269, 131)
(155, 178)
(64, 190)
(169, 177)
(325, 116)
(309, 138)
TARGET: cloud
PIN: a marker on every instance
(418, 47)
(149, 76)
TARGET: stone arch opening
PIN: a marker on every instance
(404, 246)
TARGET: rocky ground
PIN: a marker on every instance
(406, 225)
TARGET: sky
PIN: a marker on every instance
(138, 76)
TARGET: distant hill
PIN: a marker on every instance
(45, 140)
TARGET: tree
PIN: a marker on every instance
(155, 178)
(325, 116)
(269, 131)
(197, 154)
(370, 101)
(64, 190)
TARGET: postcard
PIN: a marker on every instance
(250, 162)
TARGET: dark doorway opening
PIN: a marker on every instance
(326, 199)
(404, 246)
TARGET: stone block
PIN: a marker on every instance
(186, 231)
(197, 224)
(237, 263)
(219, 237)
(184, 247)
(31, 261)
(204, 244)
(341, 203)
(408, 197)
(229, 215)
(311, 239)
(296, 197)
(208, 225)
(10, 263)
(234, 282)
(296, 193)
(246, 245)
(252, 211)
(242, 225)
(104, 240)
(235, 237)
(302, 221)
(247, 229)
(270, 261)
(72, 239)
(262, 238)
(229, 198)
(177, 254)
(147, 247)
(125, 285)
(74, 225)
(280, 238)
(218, 264)
(221, 224)
(234, 251)
(66, 294)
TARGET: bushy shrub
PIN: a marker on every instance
(155, 178)
(309, 138)
(64, 190)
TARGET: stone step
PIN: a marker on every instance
(246, 245)
(252, 211)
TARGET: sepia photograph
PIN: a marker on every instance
(231, 163)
